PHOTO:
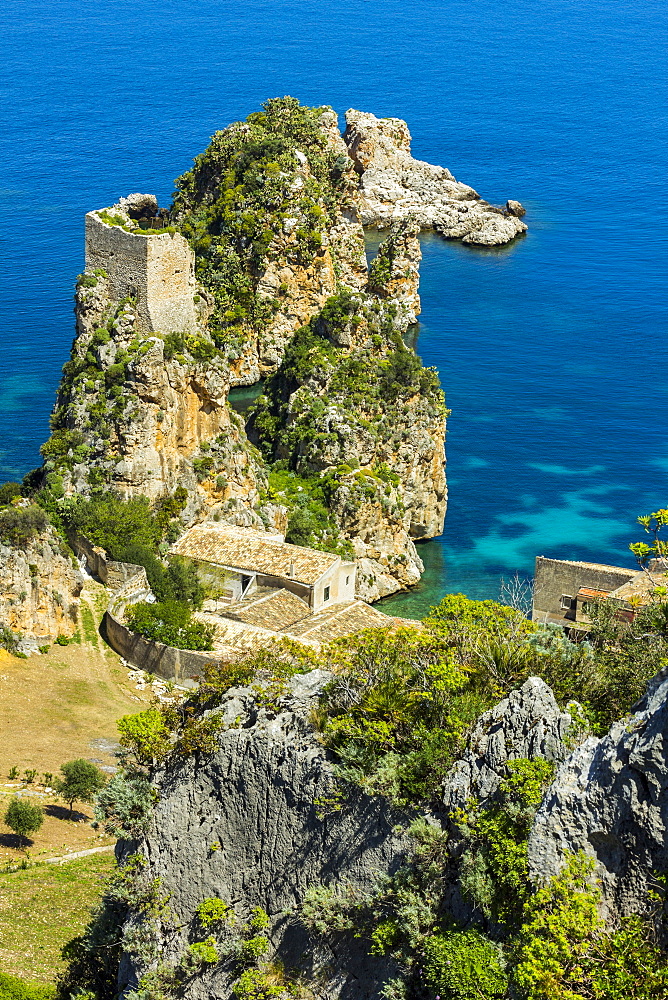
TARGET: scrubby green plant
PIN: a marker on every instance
(464, 965)
(494, 869)
(393, 692)
(115, 524)
(172, 623)
(255, 985)
(125, 803)
(309, 521)
(146, 735)
(201, 953)
(19, 524)
(561, 924)
(213, 911)
(8, 640)
(8, 492)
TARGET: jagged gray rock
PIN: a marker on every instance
(268, 801)
(528, 723)
(610, 800)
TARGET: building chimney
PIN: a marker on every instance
(291, 571)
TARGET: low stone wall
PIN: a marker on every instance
(130, 585)
(113, 574)
(147, 654)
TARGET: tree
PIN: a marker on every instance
(24, 818)
(82, 780)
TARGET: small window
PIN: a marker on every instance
(586, 607)
(347, 580)
(326, 594)
(566, 602)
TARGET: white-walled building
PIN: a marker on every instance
(233, 562)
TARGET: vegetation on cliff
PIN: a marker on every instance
(276, 175)
(397, 714)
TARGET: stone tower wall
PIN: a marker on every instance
(159, 270)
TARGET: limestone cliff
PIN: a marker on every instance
(257, 824)
(263, 820)
(610, 800)
(39, 585)
(144, 413)
(393, 186)
(268, 210)
(355, 408)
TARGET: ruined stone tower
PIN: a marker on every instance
(159, 270)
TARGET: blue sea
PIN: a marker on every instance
(552, 352)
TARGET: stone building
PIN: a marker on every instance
(235, 562)
(156, 269)
(564, 590)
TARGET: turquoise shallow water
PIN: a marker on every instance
(552, 352)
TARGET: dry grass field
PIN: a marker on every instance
(53, 708)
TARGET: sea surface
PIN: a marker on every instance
(553, 352)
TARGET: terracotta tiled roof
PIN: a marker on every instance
(640, 587)
(236, 637)
(278, 610)
(590, 594)
(254, 551)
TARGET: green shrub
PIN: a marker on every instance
(115, 524)
(23, 818)
(212, 911)
(494, 870)
(8, 640)
(146, 734)
(9, 492)
(19, 524)
(81, 780)
(125, 803)
(253, 948)
(204, 952)
(255, 985)
(464, 965)
(170, 622)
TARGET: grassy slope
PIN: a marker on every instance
(44, 907)
(51, 707)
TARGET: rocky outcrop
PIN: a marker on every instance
(142, 415)
(370, 419)
(307, 239)
(39, 590)
(384, 516)
(258, 823)
(394, 274)
(393, 186)
(610, 800)
(528, 723)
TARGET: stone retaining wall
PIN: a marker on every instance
(147, 654)
(130, 585)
